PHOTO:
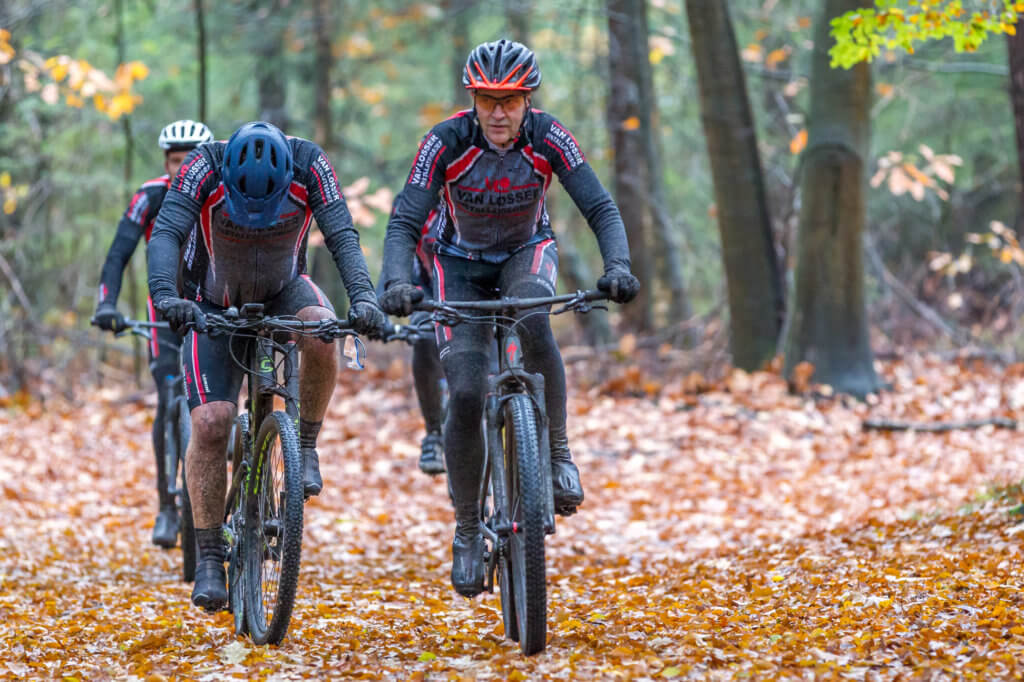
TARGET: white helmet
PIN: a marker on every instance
(184, 134)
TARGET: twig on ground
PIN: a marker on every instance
(936, 427)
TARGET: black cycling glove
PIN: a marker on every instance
(400, 298)
(366, 318)
(620, 285)
(182, 315)
(108, 317)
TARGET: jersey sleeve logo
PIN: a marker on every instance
(138, 209)
(426, 161)
(327, 180)
(562, 141)
(192, 175)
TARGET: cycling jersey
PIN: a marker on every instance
(136, 223)
(492, 201)
(225, 263)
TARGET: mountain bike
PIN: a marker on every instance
(263, 512)
(177, 431)
(517, 502)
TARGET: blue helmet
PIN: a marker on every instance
(257, 171)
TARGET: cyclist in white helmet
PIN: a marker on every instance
(177, 140)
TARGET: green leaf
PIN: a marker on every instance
(427, 656)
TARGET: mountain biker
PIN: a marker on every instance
(177, 139)
(492, 166)
(254, 198)
(428, 376)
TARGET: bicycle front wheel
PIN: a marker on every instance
(525, 510)
(273, 530)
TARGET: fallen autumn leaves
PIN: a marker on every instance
(738, 532)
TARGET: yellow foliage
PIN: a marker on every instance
(9, 205)
(799, 142)
(631, 123)
(74, 100)
(5, 179)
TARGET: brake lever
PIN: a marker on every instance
(354, 351)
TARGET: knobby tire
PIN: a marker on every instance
(275, 494)
(526, 508)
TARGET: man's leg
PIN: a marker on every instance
(163, 363)
(318, 375)
(427, 376)
(212, 382)
(533, 273)
(463, 350)
(206, 471)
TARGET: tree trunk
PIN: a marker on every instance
(627, 49)
(126, 126)
(322, 74)
(756, 299)
(663, 229)
(270, 67)
(457, 17)
(828, 326)
(1015, 46)
(517, 17)
(201, 54)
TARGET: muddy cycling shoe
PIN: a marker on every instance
(210, 590)
(165, 529)
(432, 454)
(312, 484)
(468, 560)
(565, 482)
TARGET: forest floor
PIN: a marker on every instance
(730, 530)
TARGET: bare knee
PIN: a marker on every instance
(311, 345)
(211, 424)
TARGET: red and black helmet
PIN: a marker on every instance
(501, 65)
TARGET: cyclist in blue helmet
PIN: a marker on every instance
(254, 200)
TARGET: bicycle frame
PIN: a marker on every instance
(262, 385)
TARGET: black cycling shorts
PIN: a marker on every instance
(209, 363)
(530, 272)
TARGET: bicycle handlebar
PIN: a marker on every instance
(577, 302)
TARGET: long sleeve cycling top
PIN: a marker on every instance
(136, 223)
(491, 202)
(229, 264)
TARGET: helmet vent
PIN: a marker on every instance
(258, 149)
(242, 154)
(270, 186)
(273, 157)
(241, 184)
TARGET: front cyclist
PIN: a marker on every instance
(254, 198)
(177, 140)
(492, 166)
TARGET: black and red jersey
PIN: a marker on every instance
(226, 263)
(491, 202)
(136, 223)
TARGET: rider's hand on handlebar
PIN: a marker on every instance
(400, 298)
(366, 318)
(182, 315)
(620, 285)
(108, 317)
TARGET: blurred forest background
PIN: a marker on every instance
(646, 87)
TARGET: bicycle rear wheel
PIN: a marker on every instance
(272, 543)
(525, 568)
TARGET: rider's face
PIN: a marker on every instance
(500, 113)
(173, 161)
